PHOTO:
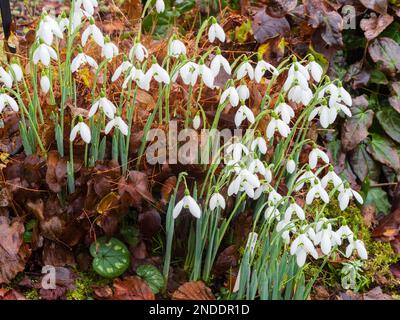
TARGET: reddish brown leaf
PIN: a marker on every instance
(279, 8)
(379, 6)
(135, 189)
(132, 288)
(373, 26)
(266, 27)
(194, 290)
(149, 223)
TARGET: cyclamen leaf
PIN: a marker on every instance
(385, 151)
(152, 275)
(386, 53)
(363, 165)
(390, 122)
(379, 199)
(355, 129)
(266, 27)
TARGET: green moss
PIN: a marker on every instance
(380, 254)
(32, 294)
(84, 286)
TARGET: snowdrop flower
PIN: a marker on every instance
(16, 72)
(272, 212)
(109, 50)
(261, 68)
(256, 166)
(231, 94)
(245, 69)
(217, 201)
(6, 78)
(336, 108)
(207, 75)
(5, 100)
(277, 124)
(285, 111)
(196, 122)
(237, 149)
(337, 94)
(345, 232)
(117, 122)
(160, 6)
(187, 202)
(290, 166)
(324, 115)
(327, 238)
(316, 191)
(260, 144)
(299, 95)
(82, 59)
(287, 227)
(176, 48)
(48, 27)
(242, 114)
(189, 73)
(45, 84)
(307, 176)
(301, 247)
(245, 181)
(216, 31)
(331, 176)
(314, 155)
(346, 194)
(315, 70)
(88, 5)
(274, 197)
(76, 19)
(124, 66)
(263, 188)
(294, 208)
(142, 80)
(159, 73)
(218, 61)
(297, 75)
(94, 31)
(344, 96)
(63, 23)
(139, 52)
(83, 131)
(359, 246)
(104, 104)
(243, 92)
(44, 53)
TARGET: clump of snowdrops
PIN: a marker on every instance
(287, 230)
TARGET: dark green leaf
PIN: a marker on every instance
(390, 122)
(378, 198)
(152, 275)
(363, 165)
(384, 150)
(111, 258)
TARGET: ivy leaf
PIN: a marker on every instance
(363, 165)
(379, 199)
(152, 275)
(386, 53)
(390, 122)
(355, 129)
(384, 150)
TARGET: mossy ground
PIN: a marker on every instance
(376, 270)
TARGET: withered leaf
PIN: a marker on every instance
(386, 53)
(266, 27)
(194, 290)
(373, 26)
(13, 253)
(279, 8)
(379, 6)
(132, 288)
(149, 223)
(135, 189)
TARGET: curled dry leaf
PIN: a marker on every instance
(13, 253)
(266, 27)
(194, 290)
(132, 288)
(279, 8)
(135, 189)
(379, 6)
(373, 26)
(167, 189)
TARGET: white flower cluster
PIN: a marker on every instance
(250, 175)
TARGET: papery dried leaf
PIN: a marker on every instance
(167, 189)
(266, 27)
(149, 223)
(379, 6)
(135, 189)
(194, 290)
(110, 201)
(279, 8)
(373, 26)
(132, 288)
